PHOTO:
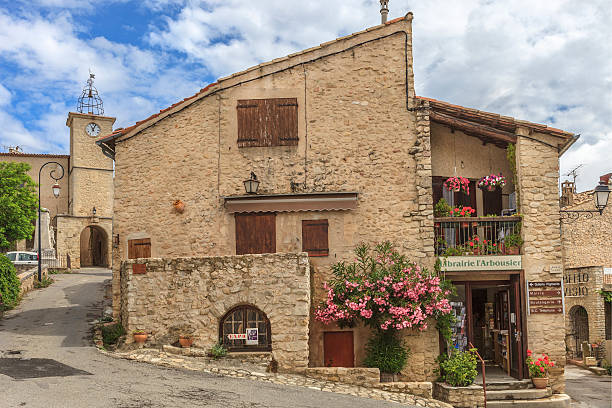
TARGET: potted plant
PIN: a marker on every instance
(512, 244)
(492, 182)
(457, 184)
(442, 209)
(140, 336)
(475, 245)
(386, 352)
(538, 369)
(459, 368)
(185, 340)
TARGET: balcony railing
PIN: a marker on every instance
(456, 236)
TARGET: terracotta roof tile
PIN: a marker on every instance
(61, 156)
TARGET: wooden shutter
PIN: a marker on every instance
(464, 200)
(251, 122)
(314, 237)
(437, 184)
(139, 248)
(255, 233)
(267, 122)
(283, 125)
(492, 202)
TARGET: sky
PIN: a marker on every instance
(543, 61)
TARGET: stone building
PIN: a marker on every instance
(343, 152)
(587, 254)
(81, 217)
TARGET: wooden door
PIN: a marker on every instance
(139, 248)
(515, 332)
(338, 349)
(255, 233)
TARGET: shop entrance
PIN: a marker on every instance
(490, 317)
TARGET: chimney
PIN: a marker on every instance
(605, 179)
(384, 11)
(567, 193)
(15, 150)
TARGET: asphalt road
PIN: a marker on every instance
(48, 361)
(587, 390)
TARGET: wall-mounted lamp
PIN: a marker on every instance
(94, 211)
(601, 195)
(251, 185)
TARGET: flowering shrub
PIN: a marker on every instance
(385, 291)
(538, 368)
(491, 182)
(462, 212)
(458, 184)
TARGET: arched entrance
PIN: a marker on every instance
(238, 321)
(579, 322)
(93, 246)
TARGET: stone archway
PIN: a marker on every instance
(579, 323)
(94, 244)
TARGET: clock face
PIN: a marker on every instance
(92, 129)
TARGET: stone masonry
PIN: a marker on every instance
(197, 292)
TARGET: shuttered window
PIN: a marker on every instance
(314, 237)
(139, 248)
(267, 122)
(255, 233)
(492, 202)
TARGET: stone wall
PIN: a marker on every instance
(29, 277)
(538, 173)
(581, 289)
(197, 292)
(460, 397)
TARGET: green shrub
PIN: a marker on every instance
(111, 333)
(9, 284)
(46, 281)
(386, 352)
(513, 240)
(218, 351)
(459, 370)
(442, 209)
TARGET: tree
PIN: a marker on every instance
(18, 203)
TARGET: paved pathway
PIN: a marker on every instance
(48, 334)
(587, 390)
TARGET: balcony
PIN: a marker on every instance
(465, 236)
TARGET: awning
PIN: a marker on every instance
(291, 202)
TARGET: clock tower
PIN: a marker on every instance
(84, 233)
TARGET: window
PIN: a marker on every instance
(255, 233)
(314, 237)
(458, 198)
(267, 122)
(139, 248)
(492, 202)
(240, 318)
(24, 257)
(11, 256)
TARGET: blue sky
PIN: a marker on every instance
(544, 61)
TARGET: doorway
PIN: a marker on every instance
(490, 316)
(93, 247)
(579, 322)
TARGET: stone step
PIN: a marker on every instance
(508, 385)
(524, 394)
(554, 401)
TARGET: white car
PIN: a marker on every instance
(22, 257)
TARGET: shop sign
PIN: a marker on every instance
(556, 268)
(549, 290)
(481, 263)
(574, 284)
(237, 336)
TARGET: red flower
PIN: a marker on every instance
(542, 369)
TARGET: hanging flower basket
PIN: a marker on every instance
(492, 182)
(457, 184)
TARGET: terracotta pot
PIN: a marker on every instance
(512, 250)
(185, 341)
(140, 337)
(179, 206)
(540, 382)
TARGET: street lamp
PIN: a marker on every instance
(601, 194)
(251, 185)
(56, 192)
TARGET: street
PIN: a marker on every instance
(47, 360)
(586, 389)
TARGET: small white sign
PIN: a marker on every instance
(252, 337)
(482, 263)
(607, 271)
(556, 268)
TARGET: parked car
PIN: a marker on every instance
(22, 257)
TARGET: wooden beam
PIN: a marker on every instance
(468, 126)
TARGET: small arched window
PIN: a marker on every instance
(237, 321)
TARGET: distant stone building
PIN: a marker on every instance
(587, 254)
(344, 152)
(81, 217)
